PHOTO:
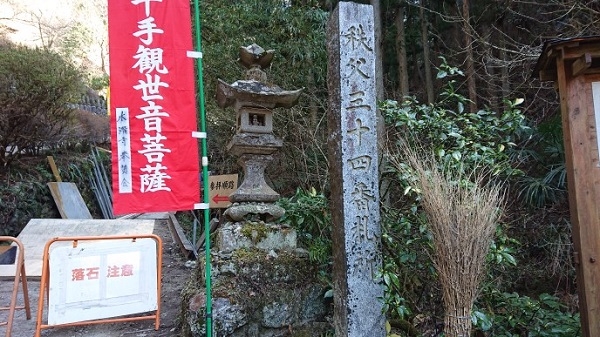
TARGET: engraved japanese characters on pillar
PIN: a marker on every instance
(354, 172)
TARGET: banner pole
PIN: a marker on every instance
(205, 198)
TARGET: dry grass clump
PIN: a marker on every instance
(462, 211)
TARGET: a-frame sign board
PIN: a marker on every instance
(574, 66)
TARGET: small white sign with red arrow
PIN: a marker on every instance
(219, 189)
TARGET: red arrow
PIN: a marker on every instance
(219, 198)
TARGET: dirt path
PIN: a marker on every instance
(175, 275)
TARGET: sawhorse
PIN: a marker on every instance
(20, 277)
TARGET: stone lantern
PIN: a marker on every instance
(254, 142)
(252, 248)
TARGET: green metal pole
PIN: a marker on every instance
(205, 198)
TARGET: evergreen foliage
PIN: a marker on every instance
(297, 34)
(36, 87)
(512, 315)
(463, 143)
(308, 212)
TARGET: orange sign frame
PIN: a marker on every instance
(45, 278)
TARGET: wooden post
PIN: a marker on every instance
(570, 63)
(55, 171)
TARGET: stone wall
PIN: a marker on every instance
(259, 293)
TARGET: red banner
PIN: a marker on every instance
(153, 109)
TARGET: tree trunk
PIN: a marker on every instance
(504, 76)
(378, 54)
(426, 53)
(385, 182)
(491, 99)
(470, 71)
(401, 53)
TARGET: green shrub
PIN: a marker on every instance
(36, 87)
(462, 142)
(23, 196)
(459, 138)
(511, 315)
(308, 212)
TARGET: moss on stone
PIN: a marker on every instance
(255, 230)
(260, 278)
(301, 333)
(285, 267)
(190, 289)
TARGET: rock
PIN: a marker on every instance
(312, 308)
(277, 315)
(301, 253)
(190, 264)
(243, 211)
(272, 294)
(197, 302)
(228, 269)
(236, 235)
(228, 317)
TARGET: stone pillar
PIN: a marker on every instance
(354, 172)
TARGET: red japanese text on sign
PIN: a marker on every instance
(93, 273)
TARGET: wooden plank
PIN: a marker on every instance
(54, 169)
(583, 176)
(581, 64)
(39, 231)
(186, 247)
(214, 223)
(69, 201)
(574, 53)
